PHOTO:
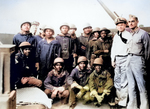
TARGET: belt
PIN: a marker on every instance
(121, 55)
(131, 54)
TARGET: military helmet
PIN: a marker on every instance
(98, 61)
(58, 60)
(24, 23)
(82, 59)
(120, 20)
(64, 24)
(73, 26)
(41, 27)
(48, 27)
(86, 26)
(105, 29)
(25, 44)
(96, 29)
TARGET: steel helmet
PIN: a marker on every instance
(120, 20)
(48, 27)
(98, 61)
(86, 26)
(64, 24)
(96, 29)
(82, 59)
(24, 23)
(105, 29)
(73, 26)
(58, 60)
(24, 44)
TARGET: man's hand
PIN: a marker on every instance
(83, 47)
(54, 93)
(100, 98)
(106, 51)
(37, 66)
(24, 80)
(93, 93)
(113, 64)
(61, 89)
(74, 55)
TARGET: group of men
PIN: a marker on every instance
(93, 67)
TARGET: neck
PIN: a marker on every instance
(25, 32)
(86, 35)
(134, 29)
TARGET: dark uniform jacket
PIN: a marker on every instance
(56, 80)
(45, 55)
(80, 77)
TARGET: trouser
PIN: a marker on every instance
(120, 80)
(135, 75)
(63, 95)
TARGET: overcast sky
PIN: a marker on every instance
(78, 12)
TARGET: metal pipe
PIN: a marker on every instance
(107, 10)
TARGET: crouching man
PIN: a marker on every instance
(78, 80)
(55, 83)
(100, 84)
(25, 73)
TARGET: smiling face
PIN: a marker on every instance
(121, 27)
(133, 23)
(25, 27)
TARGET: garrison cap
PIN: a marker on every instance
(133, 16)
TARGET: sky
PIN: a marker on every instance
(54, 12)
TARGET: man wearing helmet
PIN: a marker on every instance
(78, 80)
(25, 73)
(55, 83)
(47, 50)
(100, 84)
(103, 46)
(84, 39)
(119, 59)
(95, 34)
(67, 46)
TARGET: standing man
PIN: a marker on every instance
(139, 52)
(103, 48)
(84, 39)
(67, 46)
(118, 59)
(74, 38)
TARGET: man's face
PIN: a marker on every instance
(25, 27)
(82, 65)
(64, 29)
(72, 31)
(48, 33)
(98, 68)
(121, 27)
(58, 67)
(26, 51)
(103, 34)
(96, 34)
(87, 30)
(133, 23)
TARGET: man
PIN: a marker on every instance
(119, 58)
(67, 46)
(100, 84)
(25, 73)
(47, 50)
(55, 83)
(78, 80)
(139, 52)
(41, 34)
(24, 35)
(74, 38)
(103, 46)
(84, 39)
(95, 34)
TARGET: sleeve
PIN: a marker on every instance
(91, 82)
(146, 42)
(48, 82)
(66, 85)
(38, 52)
(70, 78)
(113, 50)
